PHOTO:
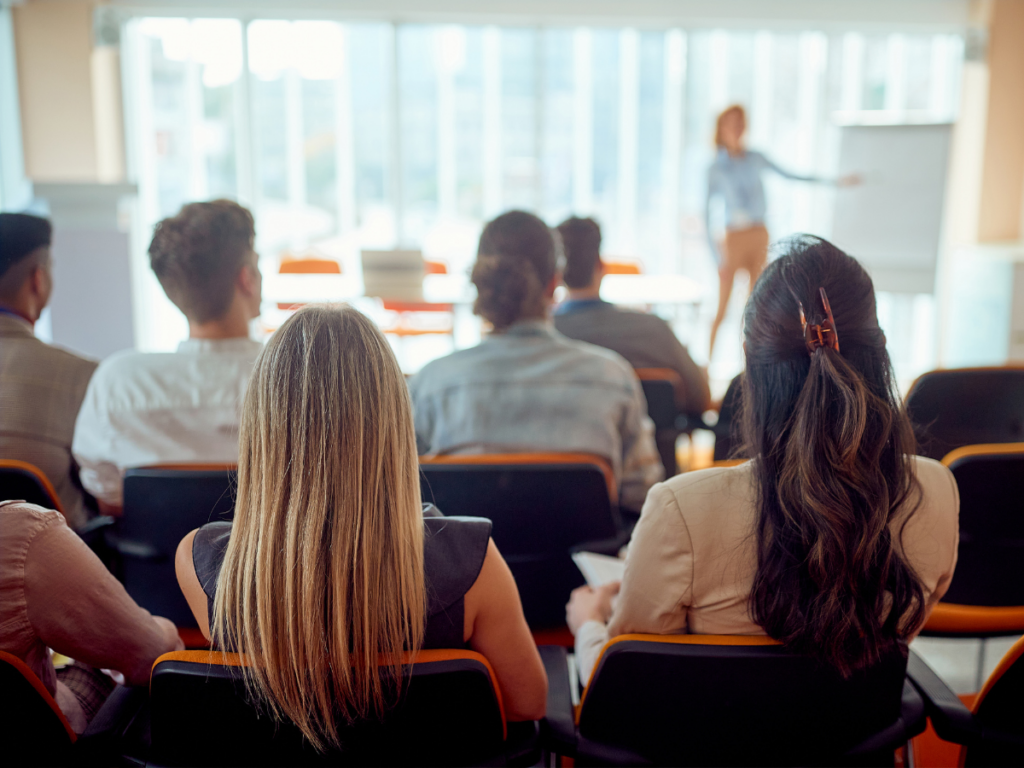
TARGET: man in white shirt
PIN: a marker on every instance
(181, 407)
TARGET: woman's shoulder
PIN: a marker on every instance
(707, 484)
(209, 546)
(454, 549)
(703, 498)
(939, 494)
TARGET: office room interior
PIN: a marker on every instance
(378, 144)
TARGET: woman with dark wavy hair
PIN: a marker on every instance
(834, 539)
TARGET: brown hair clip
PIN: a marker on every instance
(823, 335)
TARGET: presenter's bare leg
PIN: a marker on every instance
(726, 277)
(745, 249)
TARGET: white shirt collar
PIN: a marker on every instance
(218, 346)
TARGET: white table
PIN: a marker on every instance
(456, 289)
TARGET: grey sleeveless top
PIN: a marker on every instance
(453, 554)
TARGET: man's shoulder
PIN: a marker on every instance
(584, 355)
(65, 364)
(65, 358)
(444, 368)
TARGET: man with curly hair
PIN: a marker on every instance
(183, 406)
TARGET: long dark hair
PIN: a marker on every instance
(831, 446)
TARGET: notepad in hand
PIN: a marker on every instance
(597, 569)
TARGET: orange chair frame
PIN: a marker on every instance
(44, 481)
(964, 619)
(36, 683)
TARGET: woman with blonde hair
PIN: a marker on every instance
(332, 564)
(735, 177)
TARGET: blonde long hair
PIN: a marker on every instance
(323, 574)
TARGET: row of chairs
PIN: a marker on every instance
(675, 700)
(543, 507)
(949, 409)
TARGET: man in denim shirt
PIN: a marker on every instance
(526, 387)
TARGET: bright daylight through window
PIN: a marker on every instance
(346, 136)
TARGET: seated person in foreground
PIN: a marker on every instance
(42, 385)
(646, 341)
(180, 407)
(834, 539)
(55, 593)
(526, 387)
(328, 508)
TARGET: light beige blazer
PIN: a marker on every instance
(692, 557)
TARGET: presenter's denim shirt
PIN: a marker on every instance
(529, 388)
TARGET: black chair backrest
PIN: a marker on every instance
(160, 507)
(967, 406)
(20, 480)
(1000, 708)
(676, 703)
(661, 402)
(449, 715)
(989, 564)
(539, 511)
(32, 729)
(727, 430)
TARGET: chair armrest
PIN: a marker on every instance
(952, 720)
(558, 728)
(101, 742)
(911, 722)
(95, 525)
(138, 550)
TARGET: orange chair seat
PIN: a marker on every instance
(975, 619)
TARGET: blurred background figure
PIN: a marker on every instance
(735, 178)
(645, 340)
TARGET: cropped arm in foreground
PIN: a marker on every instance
(657, 585)
(80, 610)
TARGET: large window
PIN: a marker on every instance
(343, 136)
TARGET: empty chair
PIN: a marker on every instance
(161, 505)
(541, 506)
(664, 390)
(731, 700)
(450, 713)
(967, 406)
(986, 596)
(33, 730)
(26, 482)
(992, 731)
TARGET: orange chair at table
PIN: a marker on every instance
(291, 265)
(406, 310)
(613, 266)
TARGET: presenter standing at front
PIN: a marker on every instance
(735, 176)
